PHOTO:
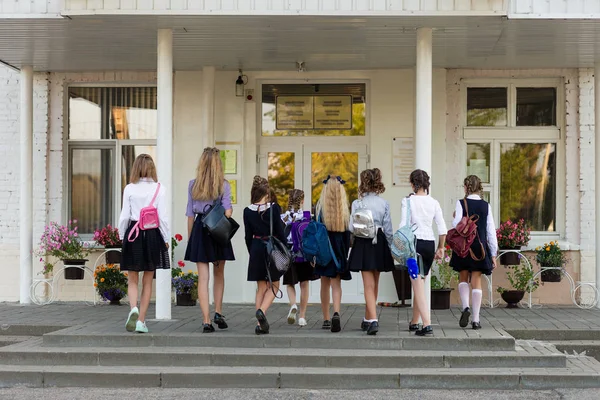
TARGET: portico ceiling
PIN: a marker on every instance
(93, 43)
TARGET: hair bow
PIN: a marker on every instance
(339, 179)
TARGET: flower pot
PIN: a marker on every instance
(113, 295)
(185, 299)
(510, 258)
(402, 283)
(512, 298)
(551, 275)
(113, 256)
(440, 299)
(71, 271)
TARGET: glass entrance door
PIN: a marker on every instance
(305, 167)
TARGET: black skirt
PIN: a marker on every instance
(299, 272)
(366, 256)
(257, 265)
(340, 243)
(202, 248)
(469, 264)
(148, 252)
(426, 248)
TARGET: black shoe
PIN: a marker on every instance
(476, 325)
(220, 321)
(208, 328)
(336, 325)
(373, 328)
(364, 326)
(262, 321)
(259, 331)
(414, 327)
(464, 318)
(326, 324)
(424, 331)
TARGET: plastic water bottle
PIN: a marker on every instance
(413, 268)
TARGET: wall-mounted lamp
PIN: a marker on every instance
(240, 82)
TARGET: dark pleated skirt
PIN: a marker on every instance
(202, 248)
(257, 265)
(426, 248)
(366, 256)
(484, 266)
(148, 252)
(299, 272)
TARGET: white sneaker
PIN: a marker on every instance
(292, 314)
(140, 327)
(132, 319)
(302, 322)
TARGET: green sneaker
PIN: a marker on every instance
(132, 319)
(140, 327)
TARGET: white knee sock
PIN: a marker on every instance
(463, 290)
(477, 295)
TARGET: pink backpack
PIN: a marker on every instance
(148, 219)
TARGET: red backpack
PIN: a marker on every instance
(462, 237)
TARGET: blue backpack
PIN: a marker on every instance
(316, 245)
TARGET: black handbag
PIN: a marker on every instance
(220, 228)
(279, 254)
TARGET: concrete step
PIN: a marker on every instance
(573, 376)
(555, 334)
(67, 338)
(6, 340)
(28, 330)
(32, 353)
(590, 347)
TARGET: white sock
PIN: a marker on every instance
(463, 290)
(477, 295)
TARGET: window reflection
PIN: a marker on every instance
(487, 106)
(536, 106)
(128, 155)
(281, 174)
(528, 184)
(339, 164)
(478, 160)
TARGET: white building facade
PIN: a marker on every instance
(503, 89)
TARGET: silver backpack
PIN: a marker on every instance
(363, 224)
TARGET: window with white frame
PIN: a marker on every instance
(108, 128)
(512, 131)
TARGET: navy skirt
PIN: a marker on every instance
(148, 252)
(366, 256)
(202, 248)
(340, 243)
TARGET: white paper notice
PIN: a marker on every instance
(403, 160)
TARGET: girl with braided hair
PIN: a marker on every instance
(482, 259)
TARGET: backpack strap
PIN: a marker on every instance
(407, 211)
(335, 260)
(135, 231)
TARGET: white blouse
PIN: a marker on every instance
(137, 196)
(423, 211)
(490, 226)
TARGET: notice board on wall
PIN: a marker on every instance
(403, 160)
(313, 112)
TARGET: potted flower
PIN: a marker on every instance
(110, 283)
(520, 278)
(62, 242)
(186, 286)
(550, 256)
(512, 236)
(108, 237)
(441, 280)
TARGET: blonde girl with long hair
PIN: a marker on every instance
(300, 272)
(143, 250)
(370, 257)
(209, 188)
(333, 211)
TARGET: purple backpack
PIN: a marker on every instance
(297, 229)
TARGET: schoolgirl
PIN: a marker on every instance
(143, 250)
(424, 209)
(484, 249)
(257, 221)
(332, 209)
(370, 257)
(300, 272)
(209, 188)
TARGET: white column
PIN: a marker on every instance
(597, 166)
(208, 106)
(26, 191)
(423, 111)
(164, 155)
